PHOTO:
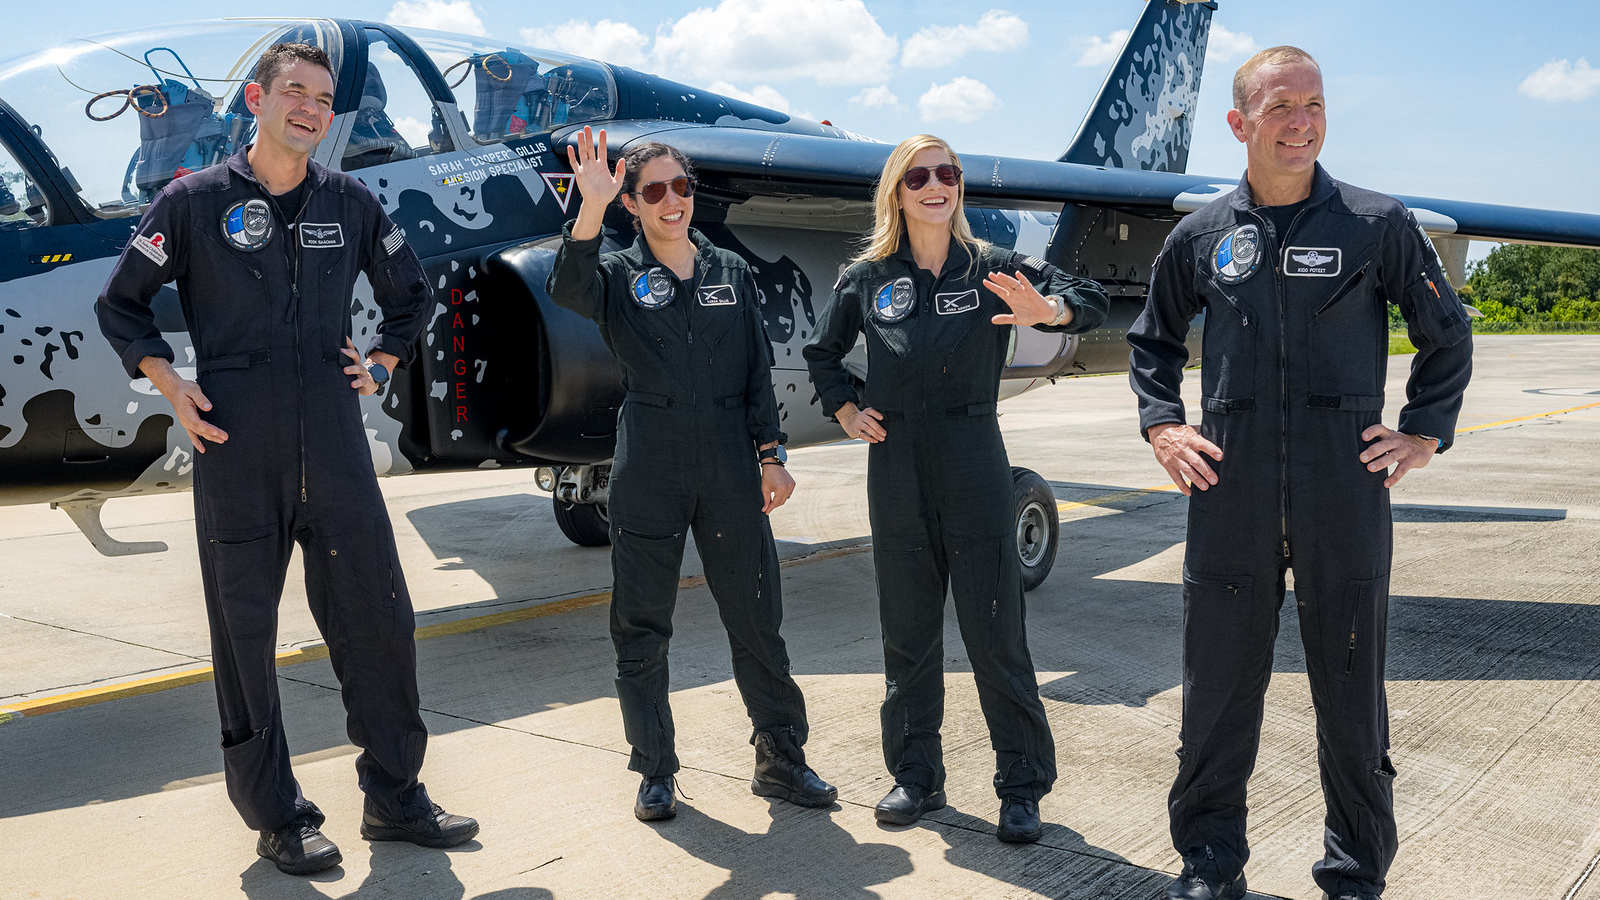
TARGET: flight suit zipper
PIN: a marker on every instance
(1283, 371)
(293, 258)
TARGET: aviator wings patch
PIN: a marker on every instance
(1313, 262)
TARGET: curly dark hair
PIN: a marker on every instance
(279, 56)
(636, 160)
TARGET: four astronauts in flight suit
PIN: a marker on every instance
(1294, 272)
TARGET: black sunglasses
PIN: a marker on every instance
(656, 191)
(916, 179)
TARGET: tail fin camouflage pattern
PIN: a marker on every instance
(1144, 114)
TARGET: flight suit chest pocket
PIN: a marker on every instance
(1347, 337)
(1228, 363)
(235, 304)
(331, 278)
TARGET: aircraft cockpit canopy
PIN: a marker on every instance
(507, 92)
(124, 114)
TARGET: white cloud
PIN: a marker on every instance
(996, 30)
(879, 97)
(962, 100)
(761, 95)
(828, 41)
(1560, 80)
(443, 15)
(612, 42)
(1225, 45)
(1102, 51)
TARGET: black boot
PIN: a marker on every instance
(779, 775)
(906, 803)
(1019, 821)
(655, 801)
(298, 848)
(1190, 886)
(435, 828)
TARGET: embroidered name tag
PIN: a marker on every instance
(314, 236)
(950, 304)
(716, 295)
(1312, 262)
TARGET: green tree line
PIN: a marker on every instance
(1524, 284)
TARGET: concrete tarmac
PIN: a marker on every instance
(110, 776)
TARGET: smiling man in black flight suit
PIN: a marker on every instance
(1295, 272)
(265, 250)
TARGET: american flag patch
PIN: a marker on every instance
(395, 240)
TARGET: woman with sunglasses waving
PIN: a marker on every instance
(697, 448)
(937, 306)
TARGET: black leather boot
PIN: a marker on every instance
(777, 775)
(906, 803)
(298, 848)
(1189, 886)
(436, 828)
(1019, 821)
(656, 801)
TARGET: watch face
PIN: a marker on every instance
(379, 374)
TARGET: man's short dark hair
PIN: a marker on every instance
(279, 56)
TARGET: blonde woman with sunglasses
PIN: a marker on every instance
(937, 306)
(697, 449)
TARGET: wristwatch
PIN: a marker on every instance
(775, 456)
(1061, 308)
(380, 375)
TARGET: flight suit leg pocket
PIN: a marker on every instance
(1222, 630)
(980, 591)
(358, 581)
(246, 565)
(1354, 636)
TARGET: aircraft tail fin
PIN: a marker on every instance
(1142, 118)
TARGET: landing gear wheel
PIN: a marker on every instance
(584, 524)
(1038, 525)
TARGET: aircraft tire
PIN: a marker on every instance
(1038, 525)
(584, 524)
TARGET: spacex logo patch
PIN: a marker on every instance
(1312, 262)
(716, 295)
(313, 235)
(950, 304)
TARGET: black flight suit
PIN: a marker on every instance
(939, 490)
(696, 365)
(268, 308)
(1295, 354)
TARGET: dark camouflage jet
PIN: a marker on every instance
(463, 141)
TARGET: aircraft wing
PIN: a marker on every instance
(751, 161)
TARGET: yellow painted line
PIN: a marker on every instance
(1108, 499)
(1542, 415)
(169, 680)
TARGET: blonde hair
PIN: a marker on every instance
(888, 219)
(1272, 56)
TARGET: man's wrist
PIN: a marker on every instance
(1062, 310)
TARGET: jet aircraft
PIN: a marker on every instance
(463, 141)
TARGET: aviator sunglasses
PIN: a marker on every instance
(916, 179)
(656, 191)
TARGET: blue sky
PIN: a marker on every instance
(1462, 99)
